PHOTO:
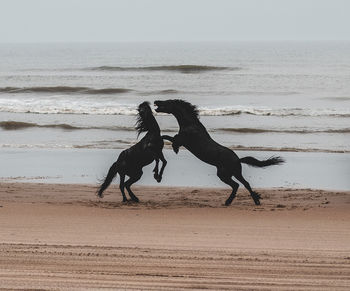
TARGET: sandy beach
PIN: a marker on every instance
(67, 110)
(64, 237)
(269, 80)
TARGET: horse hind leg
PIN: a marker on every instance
(256, 197)
(164, 163)
(128, 184)
(226, 178)
(122, 186)
(156, 170)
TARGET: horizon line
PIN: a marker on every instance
(172, 41)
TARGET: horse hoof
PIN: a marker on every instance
(125, 200)
(256, 197)
(159, 179)
(100, 195)
(135, 199)
(175, 149)
(228, 202)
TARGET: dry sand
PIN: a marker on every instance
(63, 237)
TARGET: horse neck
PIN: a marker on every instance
(185, 120)
(152, 124)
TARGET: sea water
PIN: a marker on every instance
(291, 96)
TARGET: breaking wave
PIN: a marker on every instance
(17, 125)
(175, 68)
(162, 92)
(65, 105)
(293, 131)
(63, 89)
(14, 125)
(274, 111)
(336, 99)
(107, 91)
(81, 90)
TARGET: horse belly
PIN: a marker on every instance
(213, 154)
(208, 157)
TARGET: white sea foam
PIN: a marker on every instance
(80, 106)
(265, 111)
(65, 106)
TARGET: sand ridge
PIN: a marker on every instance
(84, 267)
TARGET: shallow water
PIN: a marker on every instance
(89, 166)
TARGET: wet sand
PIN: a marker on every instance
(64, 237)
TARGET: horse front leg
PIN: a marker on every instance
(177, 142)
(164, 162)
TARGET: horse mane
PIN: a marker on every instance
(188, 107)
(144, 110)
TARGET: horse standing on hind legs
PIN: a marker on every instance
(131, 161)
(194, 137)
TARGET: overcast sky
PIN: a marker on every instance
(173, 20)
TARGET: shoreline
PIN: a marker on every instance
(88, 166)
(167, 146)
(176, 237)
(291, 150)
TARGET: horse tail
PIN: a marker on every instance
(108, 180)
(261, 164)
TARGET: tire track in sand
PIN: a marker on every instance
(89, 267)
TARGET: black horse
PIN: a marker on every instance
(131, 161)
(194, 137)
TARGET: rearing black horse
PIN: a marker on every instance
(131, 161)
(194, 137)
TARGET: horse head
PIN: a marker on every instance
(144, 109)
(177, 107)
(145, 119)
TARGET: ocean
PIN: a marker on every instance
(292, 96)
(68, 105)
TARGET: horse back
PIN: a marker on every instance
(143, 152)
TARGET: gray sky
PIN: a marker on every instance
(173, 20)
